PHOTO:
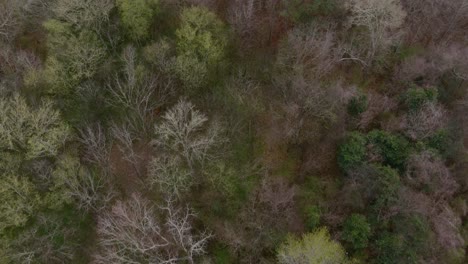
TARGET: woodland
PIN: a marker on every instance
(233, 131)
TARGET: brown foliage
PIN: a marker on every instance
(426, 122)
(378, 104)
(427, 171)
(437, 60)
(436, 186)
(269, 212)
(258, 23)
(436, 21)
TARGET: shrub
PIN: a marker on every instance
(356, 231)
(357, 105)
(442, 141)
(416, 231)
(394, 149)
(410, 241)
(387, 185)
(391, 249)
(416, 97)
(352, 152)
(312, 217)
(300, 11)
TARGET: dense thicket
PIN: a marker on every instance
(240, 131)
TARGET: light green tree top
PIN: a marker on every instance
(73, 56)
(33, 132)
(312, 248)
(202, 35)
(201, 45)
(356, 231)
(137, 16)
(19, 199)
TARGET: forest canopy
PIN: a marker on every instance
(233, 131)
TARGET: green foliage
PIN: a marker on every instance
(416, 97)
(137, 17)
(52, 237)
(191, 70)
(357, 105)
(444, 142)
(352, 152)
(312, 248)
(356, 231)
(73, 56)
(300, 11)
(391, 249)
(394, 149)
(201, 45)
(387, 185)
(230, 186)
(221, 255)
(439, 141)
(253, 188)
(19, 201)
(32, 132)
(312, 217)
(68, 171)
(159, 54)
(416, 231)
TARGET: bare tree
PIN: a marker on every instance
(426, 122)
(378, 104)
(242, 18)
(425, 170)
(169, 173)
(447, 225)
(71, 181)
(208, 3)
(131, 233)
(452, 57)
(444, 221)
(310, 51)
(17, 66)
(96, 145)
(256, 22)
(84, 13)
(311, 106)
(278, 196)
(185, 132)
(269, 210)
(433, 187)
(178, 223)
(382, 19)
(437, 60)
(33, 245)
(91, 192)
(136, 92)
(126, 137)
(436, 21)
(10, 18)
